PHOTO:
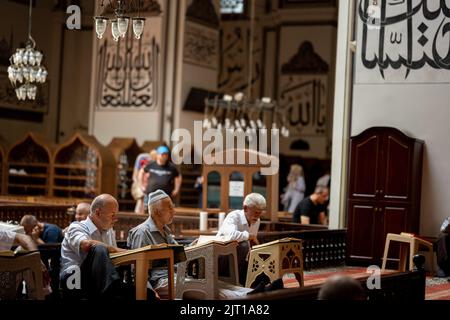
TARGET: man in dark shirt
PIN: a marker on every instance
(41, 232)
(163, 175)
(311, 210)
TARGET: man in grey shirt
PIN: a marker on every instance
(85, 253)
(155, 231)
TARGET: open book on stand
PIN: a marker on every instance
(205, 240)
(19, 251)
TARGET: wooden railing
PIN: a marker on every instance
(321, 247)
(56, 214)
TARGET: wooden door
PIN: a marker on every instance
(362, 229)
(365, 166)
(397, 167)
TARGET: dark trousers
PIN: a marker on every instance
(443, 253)
(243, 249)
(99, 278)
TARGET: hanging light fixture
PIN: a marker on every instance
(240, 111)
(120, 22)
(25, 70)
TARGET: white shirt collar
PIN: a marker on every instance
(90, 225)
(243, 218)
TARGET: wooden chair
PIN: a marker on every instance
(413, 242)
(11, 266)
(206, 258)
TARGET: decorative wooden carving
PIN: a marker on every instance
(274, 259)
(28, 168)
(83, 168)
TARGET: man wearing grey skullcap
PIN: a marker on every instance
(155, 231)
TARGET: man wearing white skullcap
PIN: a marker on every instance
(155, 231)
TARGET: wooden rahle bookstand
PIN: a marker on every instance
(200, 273)
(13, 265)
(142, 258)
(274, 259)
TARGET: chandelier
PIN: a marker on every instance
(120, 22)
(241, 114)
(25, 69)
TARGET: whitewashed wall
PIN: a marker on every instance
(414, 102)
(123, 121)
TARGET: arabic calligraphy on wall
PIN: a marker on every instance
(304, 92)
(234, 59)
(201, 45)
(305, 97)
(403, 41)
(128, 73)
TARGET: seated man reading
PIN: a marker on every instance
(242, 226)
(155, 231)
(85, 251)
(311, 210)
(41, 232)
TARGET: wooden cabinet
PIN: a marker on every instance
(28, 167)
(226, 185)
(125, 151)
(385, 176)
(83, 168)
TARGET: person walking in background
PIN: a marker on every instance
(140, 179)
(295, 190)
(163, 175)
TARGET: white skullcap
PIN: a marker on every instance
(156, 196)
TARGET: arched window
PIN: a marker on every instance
(236, 190)
(213, 192)
(259, 184)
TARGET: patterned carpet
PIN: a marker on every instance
(436, 288)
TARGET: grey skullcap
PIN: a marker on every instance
(156, 196)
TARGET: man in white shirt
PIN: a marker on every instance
(242, 226)
(86, 248)
(10, 238)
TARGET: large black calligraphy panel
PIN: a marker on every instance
(403, 41)
(234, 64)
(128, 73)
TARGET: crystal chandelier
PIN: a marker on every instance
(240, 114)
(25, 69)
(120, 22)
